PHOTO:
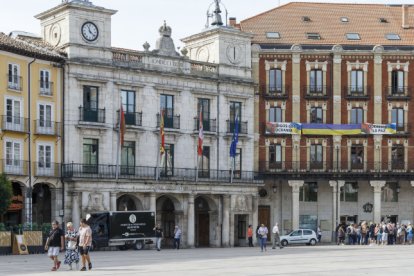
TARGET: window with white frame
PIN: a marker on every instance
(14, 81)
(357, 82)
(357, 156)
(44, 156)
(357, 115)
(397, 82)
(45, 84)
(275, 156)
(389, 192)
(316, 115)
(275, 114)
(275, 81)
(13, 113)
(316, 155)
(45, 115)
(13, 155)
(316, 81)
(397, 117)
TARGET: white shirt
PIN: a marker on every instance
(275, 229)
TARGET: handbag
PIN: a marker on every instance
(71, 245)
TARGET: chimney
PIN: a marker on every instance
(405, 24)
(232, 21)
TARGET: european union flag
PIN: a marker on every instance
(235, 138)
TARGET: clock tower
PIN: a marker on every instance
(79, 27)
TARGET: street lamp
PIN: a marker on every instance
(274, 188)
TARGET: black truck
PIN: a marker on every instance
(129, 229)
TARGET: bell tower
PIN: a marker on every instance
(219, 43)
(79, 27)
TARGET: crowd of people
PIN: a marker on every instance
(374, 233)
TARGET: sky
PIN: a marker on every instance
(137, 21)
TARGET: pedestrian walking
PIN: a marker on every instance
(262, 233)
(250, 235)
(177, 237)
(276, 237)
(319, 233)
(54, 244)
(85, 242)
(409, 233)
(158, 236)
(72, 254)
(341, 235)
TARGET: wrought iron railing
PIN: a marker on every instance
(208, 125)
(46, 88)
(94, 115)
(14, 123)
(14, 82)
(48, 128)
(169, 121)
(232, 124)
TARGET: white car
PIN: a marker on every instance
(306, 236)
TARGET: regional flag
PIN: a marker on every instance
(200, 134)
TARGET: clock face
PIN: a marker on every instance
(89, 31)
(233, 53)
(54, 36)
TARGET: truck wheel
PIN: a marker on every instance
(139, 245)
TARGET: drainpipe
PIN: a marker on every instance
(218, 127)
(29, 195)
(62, 143)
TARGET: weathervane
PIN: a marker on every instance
(215, 14)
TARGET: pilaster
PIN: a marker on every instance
(377, 185)
(295, 184)
(75, 208)
(113, 201)
(191, 221)
(226, 221)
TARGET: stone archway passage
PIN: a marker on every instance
(167, 213)
(14, 215)
(128, 203)
(42, 204)
(202, 221)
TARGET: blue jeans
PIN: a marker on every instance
(263, 243)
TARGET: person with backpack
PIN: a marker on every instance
(262, 233)
(54, 244)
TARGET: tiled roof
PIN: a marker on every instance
(325, 19)
(30, 47)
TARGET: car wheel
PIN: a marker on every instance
(284, 242)
(139, 245)
(312, 242)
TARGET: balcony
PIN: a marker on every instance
(132, 118)
(46, 88)
(172, 122)
(15, 167)
(209, 125)
(353, 92)
(321, 92)
(150, 173)
(15, 82)
(272, 92)
(91, 115)
(43, 127)
(398, 93)
(231, 125)
(15, 124)
(403, 129)
(47, 169)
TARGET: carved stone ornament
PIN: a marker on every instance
(95, 202)
(240, 203)
(367, 207)
(337, 48)
(296, 48)
(378, 49)
(296, 98)
(378, 99)
(337, 99)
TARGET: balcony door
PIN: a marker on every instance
(204, 163)
(167, 106)
(90, 155)
(204, 106)
(128, 106)
(235, 109)
(14, 163)
(128, 158)
(90, 104)
(357, 82)
(316, 156)
(316, 82)
(44, 159)
(275, 81)
(13, 115)
(397, 82)
(45, 119)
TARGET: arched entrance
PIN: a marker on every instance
(166, 214)
(202, 222)
(128, 203)
(14, 215)
(42, 204)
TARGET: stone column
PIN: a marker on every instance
(335, 220)
(336, 85)
(153, 202)
(191, 221)
(341, 183)
(377, 198)
(378, 85)
(255, 222)
(226, 221)
(75, 209)
(296, 51)
(295, 184)
(113, 201)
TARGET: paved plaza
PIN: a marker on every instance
(318, 260)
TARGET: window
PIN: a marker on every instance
(273, 35)
(389, 192)
(167, 106)
(128, 106)
(349, 192)
(204, 106)
(383, 20)
(357, 156)
(357, 115)
(13, 115)
(308, 222)
(90, 155)
(275, 81)
(392, 36)
(316, 81)
(45, 84)
(316, 115)
(45, 115)
(44, 157)
(204, 163)
(316, 156)
(397, 117)
(306, 19)
(397, 157)
(275, 115)
(353, 36)
(90, 104)
(128, 158)
(14, 164)
(275, 156)
(344, 19)
(237, 163)
(315, 36)
(14, 80)
(309, 192)
(397, 82)
(357, 82)
(235, 108)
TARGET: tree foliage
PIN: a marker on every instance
(6, 193)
